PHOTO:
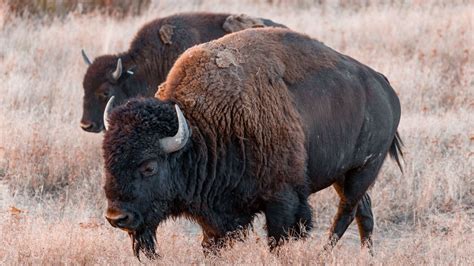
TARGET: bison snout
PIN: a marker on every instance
(123, 219)
(90, 126)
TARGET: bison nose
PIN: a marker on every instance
(89, 126)
(86, 125)
(122, 219)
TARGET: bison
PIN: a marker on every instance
(138, 71)
(253, 122)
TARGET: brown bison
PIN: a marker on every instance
(138, 71)
(268, 117)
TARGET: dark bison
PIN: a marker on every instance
(138, 71)
(268, 117)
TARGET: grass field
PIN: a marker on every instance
(51, 198)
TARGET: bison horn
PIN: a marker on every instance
(86, 59)
(176, 142)
(118, 71)
(108, 109)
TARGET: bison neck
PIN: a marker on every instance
(151, 68)
(216, 188)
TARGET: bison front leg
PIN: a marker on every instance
(213, 242)
(288, 214)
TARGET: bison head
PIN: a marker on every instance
(142, 145)
(106, 77)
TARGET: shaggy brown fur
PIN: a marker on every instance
(213, 71)
(151, 55)
(275, 116)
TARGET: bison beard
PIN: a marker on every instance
(144, 240)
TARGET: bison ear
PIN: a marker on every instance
(166, 33)
(234, 23)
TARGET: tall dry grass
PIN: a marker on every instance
(51, 200)
(61, 8)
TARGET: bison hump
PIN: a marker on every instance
(234, 23)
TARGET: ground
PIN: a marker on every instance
(51, 172)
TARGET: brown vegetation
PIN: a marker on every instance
(51, 198)
(61, 8)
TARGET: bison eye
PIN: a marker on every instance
(104, 95)
(148, 168)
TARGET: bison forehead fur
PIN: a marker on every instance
(98, 72)
(134, 127)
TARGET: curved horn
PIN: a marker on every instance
(108, 109)
(86, 59)
(118, 71)
(176, 142)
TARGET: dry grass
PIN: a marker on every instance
(51, 200)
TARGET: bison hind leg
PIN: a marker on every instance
(288, 215)
(355, 202)
(365, 221)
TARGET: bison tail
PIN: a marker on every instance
(395, 151)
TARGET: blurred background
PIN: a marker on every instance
(61, 8)
(121, 8)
